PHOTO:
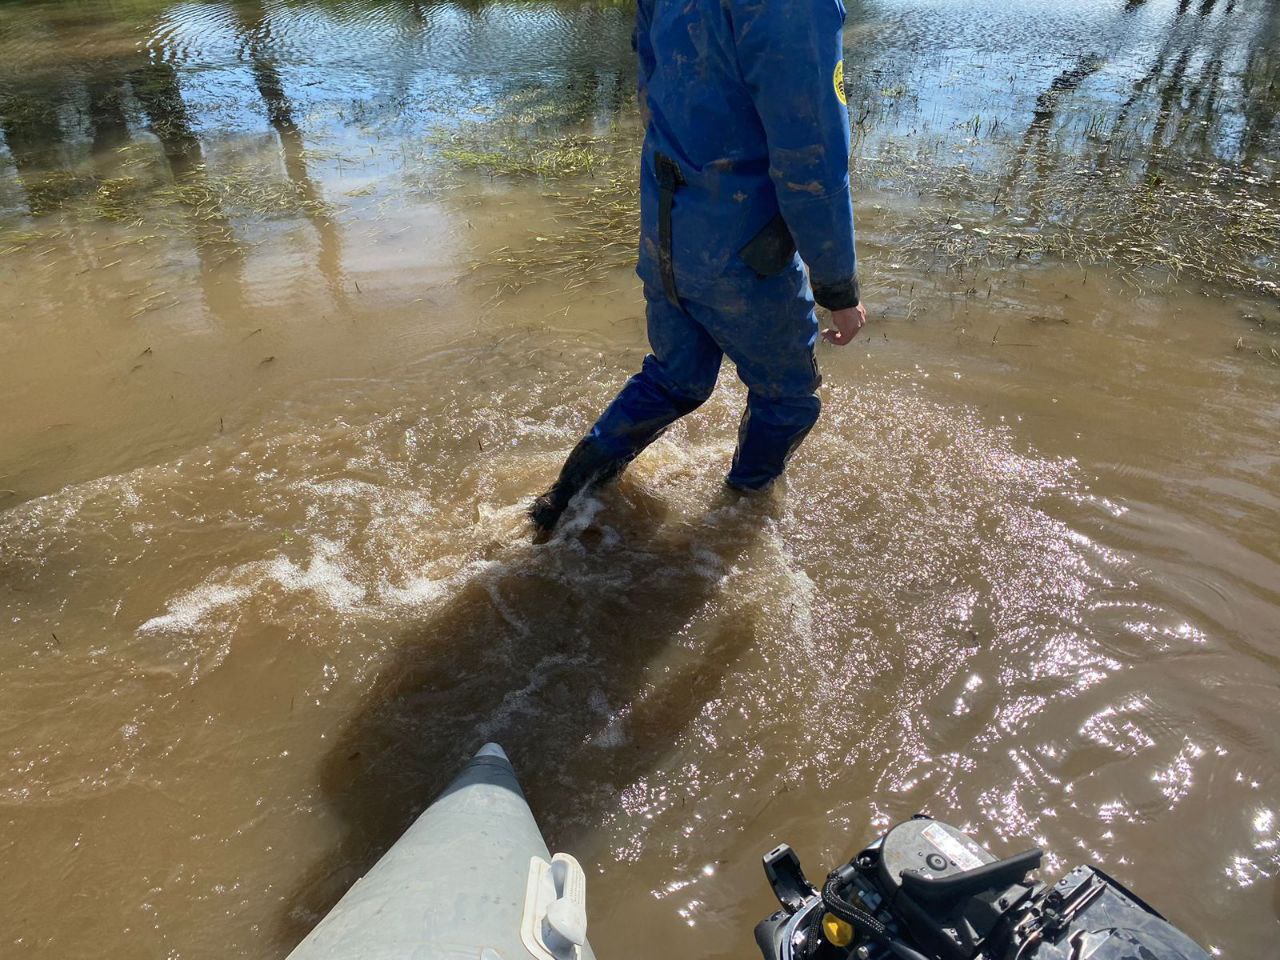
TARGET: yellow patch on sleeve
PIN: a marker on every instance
(837, 80)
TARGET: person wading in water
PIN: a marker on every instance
(745, 221)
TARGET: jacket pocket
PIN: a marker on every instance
(770, 250)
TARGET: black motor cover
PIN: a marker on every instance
(934, 890)
(1113, 924)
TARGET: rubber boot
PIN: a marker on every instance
(587, 467)
(739, 490)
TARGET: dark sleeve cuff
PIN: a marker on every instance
(837, 296)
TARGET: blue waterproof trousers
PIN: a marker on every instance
(768, 328)
(744, 182)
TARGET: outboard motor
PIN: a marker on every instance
(927, 891)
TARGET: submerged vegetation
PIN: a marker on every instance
(1202, 225)
(1206, 224)
(1174, 182)
(1140, 185)
(201, 205)
(140, 200)
(591, 184)
(513, 155)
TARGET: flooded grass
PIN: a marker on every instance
(1018, 171)
(147, 201)
(597, 230)
(591, 185)
(243, 194)
(517, 155)
(1207, 224)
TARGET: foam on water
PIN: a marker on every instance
(324, 575)
(188, 611)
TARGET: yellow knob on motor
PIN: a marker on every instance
(837, 931)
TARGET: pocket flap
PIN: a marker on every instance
(770, 250)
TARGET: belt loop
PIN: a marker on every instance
(670, 179)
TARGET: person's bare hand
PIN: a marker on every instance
(846, 323)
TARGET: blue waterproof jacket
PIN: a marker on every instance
(747, 128)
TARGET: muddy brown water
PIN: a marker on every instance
(273, 401)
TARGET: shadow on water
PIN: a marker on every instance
(1037, 136)
(255, 27)
(48, 124)
(549, 652)
(1171, 95)
(43, 151)
(216, 244)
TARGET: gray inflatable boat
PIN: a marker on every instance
(472, 879)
